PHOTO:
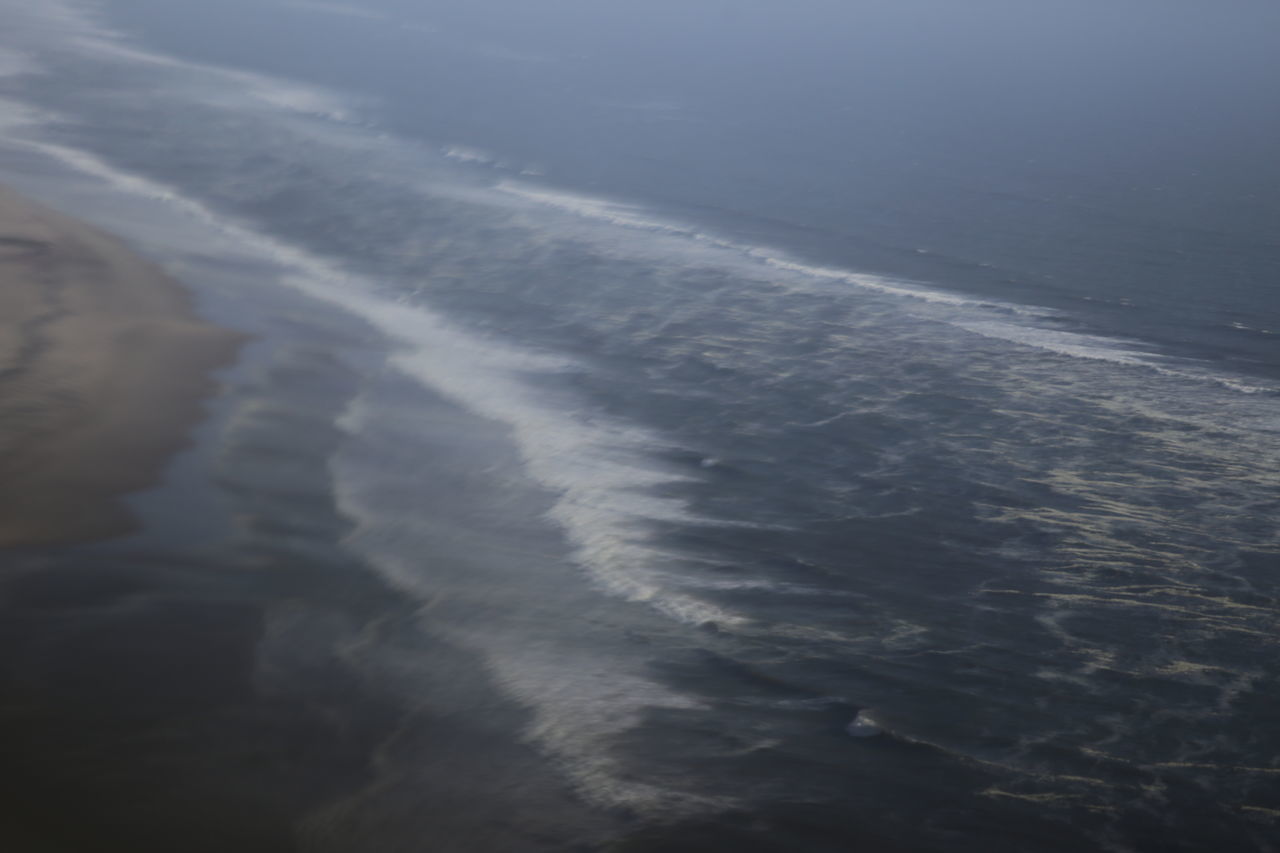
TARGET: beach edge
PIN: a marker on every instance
(104, 370)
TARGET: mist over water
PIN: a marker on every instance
(688, 381)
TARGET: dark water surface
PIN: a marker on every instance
(638, 398)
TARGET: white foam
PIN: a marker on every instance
(1241, 386)
(1073, 344)
(755, 585)
(583, 683)
(878, 284)
(598, 209)
(988, 318)
(1113, 350)
(76, 29)
(48, 17)
(479, 157)
(468, 154)
(16, 116)
(295, 97)
(770, 259)
(594, 466)
(1246, 328)
(581, 703)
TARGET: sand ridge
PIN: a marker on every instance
(103, 367)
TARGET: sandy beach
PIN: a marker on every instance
(103, 366)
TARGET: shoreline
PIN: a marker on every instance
(104, 367)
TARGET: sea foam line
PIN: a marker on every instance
(634, 217)
(311, 101)
(1097, 348)
(1059, 342)
(595, 471)
(75, 27)
(592, 464)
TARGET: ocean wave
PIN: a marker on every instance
(1242, 327)
(63, 26)
(636, 217)
(595, 467)
(1112, 350)
(479, 157)
(1014, 323)
(468, 154)
(762, 261)
(15, 116)
(603, 475)
(1073, 344)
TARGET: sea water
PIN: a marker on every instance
(715, 379)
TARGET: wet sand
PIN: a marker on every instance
(103, 366)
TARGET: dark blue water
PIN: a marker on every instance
(690, 379)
